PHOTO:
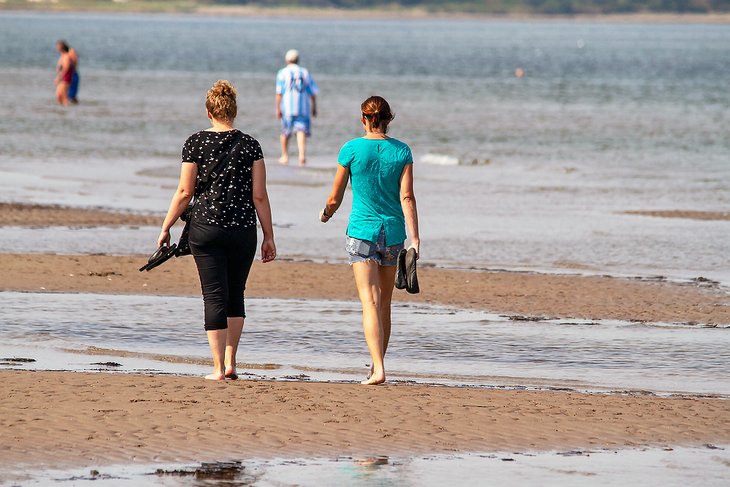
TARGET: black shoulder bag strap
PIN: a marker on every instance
(183, 245)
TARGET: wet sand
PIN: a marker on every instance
(62, 419)
(65, 419)
(508, 293)
(686, 214)
(15, 214)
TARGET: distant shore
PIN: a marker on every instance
(379, 13)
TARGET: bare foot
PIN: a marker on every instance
(215, 377)
(374, 380)
(284, 160)
(231, 373)
(302, 162)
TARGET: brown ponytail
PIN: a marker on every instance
(377, 111)
(221, 101)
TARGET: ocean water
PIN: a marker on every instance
(527, 173)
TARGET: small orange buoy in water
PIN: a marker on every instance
(519, 72)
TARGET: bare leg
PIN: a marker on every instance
(368, 288)
(62, 93)
(302, 145)
(284, 159)
(387, 282)
(217, 342)
(235, 328)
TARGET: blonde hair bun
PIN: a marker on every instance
(221, 101)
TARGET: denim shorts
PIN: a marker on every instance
(365, 250)
(290, 125)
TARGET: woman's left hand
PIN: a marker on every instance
(164, 238)
(268, 250)
(416, 245)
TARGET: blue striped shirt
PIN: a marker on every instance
(296, 88)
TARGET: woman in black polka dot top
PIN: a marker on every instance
(224, 170)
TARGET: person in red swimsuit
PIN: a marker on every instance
(64, 73)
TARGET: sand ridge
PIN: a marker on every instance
(686, 214)
(28, 215)
(64, 419)
(508, 293)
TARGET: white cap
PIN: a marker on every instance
(292, 56)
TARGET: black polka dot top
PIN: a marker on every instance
(224, 188)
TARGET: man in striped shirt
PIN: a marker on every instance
(296, 100)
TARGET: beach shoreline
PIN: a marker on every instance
(574, 296)
(396, 13)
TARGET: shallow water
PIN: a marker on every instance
(709, 465)
(608, 118)
(322, 340)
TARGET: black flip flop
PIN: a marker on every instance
(411, 276)
(162, 254)
(400, 276)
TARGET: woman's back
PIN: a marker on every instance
(375, 168)
(223, 188)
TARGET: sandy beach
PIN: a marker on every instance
(101, 419)
(62, 419)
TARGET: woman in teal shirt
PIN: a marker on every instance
(383, 205)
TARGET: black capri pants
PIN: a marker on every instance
(223, 257)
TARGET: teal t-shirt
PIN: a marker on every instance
(375, 167)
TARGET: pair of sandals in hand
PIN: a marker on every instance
(166, 252)
(161, 255)
(406, 277)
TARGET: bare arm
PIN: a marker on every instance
(408, 203)
(263, 210)
(180, 200)
(338, 191)
(278, 105)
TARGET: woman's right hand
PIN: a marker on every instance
(268, 250)
(164, 238)
(323, 217)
